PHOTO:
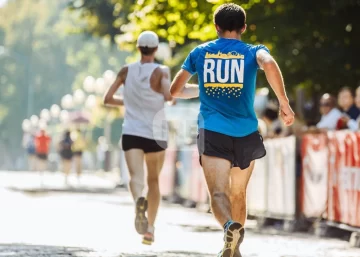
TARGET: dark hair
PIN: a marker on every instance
(147, 50)
(349, 89)
(67, 133)
(329, 99)
(230, 17)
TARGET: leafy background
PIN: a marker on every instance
(51, 46)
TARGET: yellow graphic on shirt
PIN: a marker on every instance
(224, 74)
(220, 55)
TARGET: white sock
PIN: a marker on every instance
(151, 229)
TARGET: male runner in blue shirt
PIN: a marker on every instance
(228, 139)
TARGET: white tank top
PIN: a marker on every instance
(144, 108)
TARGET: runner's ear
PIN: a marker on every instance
(243, 29)
(218, 30)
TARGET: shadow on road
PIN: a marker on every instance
(80, 190)
(175, 254)
(198, 229)
(266, 231)
(22, 250)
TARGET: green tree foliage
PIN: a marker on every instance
(315, 42)
(42, 62)
(91, 14)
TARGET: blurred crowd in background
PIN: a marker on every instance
(335, 112)
(73, 149)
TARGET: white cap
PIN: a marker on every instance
(148, 39)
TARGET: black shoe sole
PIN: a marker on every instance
(141, 222)
(233, 237)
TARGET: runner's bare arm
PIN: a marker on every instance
(273, 74)
(160, 82)
(276, 81)
(181, 89)
(165, 84)
(110, 98)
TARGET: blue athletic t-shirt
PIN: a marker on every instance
(227, 70)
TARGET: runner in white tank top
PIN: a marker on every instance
(144, 113)
(145, 131)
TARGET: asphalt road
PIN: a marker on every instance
(78, 222)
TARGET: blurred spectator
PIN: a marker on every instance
(66, 154)
(346, 103)
(330, 115)
(310, 112)
(262, 127)
(42, 146)
(31, 152)
(274, 127)
(78, 148)
(353, 124)
(101, 149)
(272, 122)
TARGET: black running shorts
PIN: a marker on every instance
(42, 156)
(240, 151)
(145, 144)
(78, 153)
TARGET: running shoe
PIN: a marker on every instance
(148, 238)
(233, 235)
(141, 222)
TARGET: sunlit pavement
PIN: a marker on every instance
(101, 225)
(26, 181)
